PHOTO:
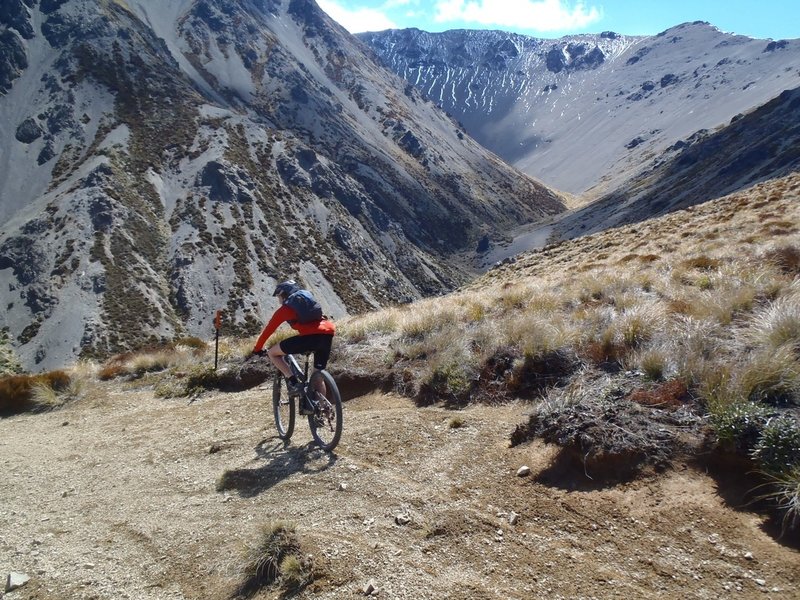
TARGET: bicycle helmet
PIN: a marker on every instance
(287, 288)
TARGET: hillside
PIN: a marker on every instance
(584, 113)
(760, 145)
(162, 161)
(643, 489)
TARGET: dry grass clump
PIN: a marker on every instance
(778, 323)
(137, 364)
(276, 560)
(32, 393)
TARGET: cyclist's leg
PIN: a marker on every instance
(322, 353)
(276, 354)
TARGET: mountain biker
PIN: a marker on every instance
(313, 336)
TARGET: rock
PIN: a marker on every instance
(342, 487)
(523, 471)
(28, 131)
(15, 581)
(761, 582)
(749, 555)
(370, 588)
(402, 519)
(513, 518)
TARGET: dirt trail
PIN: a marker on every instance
(116, 497)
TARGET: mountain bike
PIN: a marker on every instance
(323, 403)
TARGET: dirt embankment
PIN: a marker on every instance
(117, 496)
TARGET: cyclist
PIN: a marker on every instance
(315, 335)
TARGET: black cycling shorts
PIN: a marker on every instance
(318, 343)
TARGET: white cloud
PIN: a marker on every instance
(539, 15)
(357, 19)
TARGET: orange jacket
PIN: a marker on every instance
(287, 313)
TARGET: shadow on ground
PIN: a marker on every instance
(276, 461)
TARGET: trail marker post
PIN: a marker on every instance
(217, 326)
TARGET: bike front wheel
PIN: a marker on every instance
(283, 407)
(327, 421)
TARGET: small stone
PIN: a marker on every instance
(370, 588)
(761, 582)
(749, 556)
(342, 487)
(402, 519)
(523, 471)
(513, 518)
(14, 581)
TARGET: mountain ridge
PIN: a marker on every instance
(632, 96)
(155, 176)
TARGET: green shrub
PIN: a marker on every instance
(451, 381)
(739, 424)
(778, 449)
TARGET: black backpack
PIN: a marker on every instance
(306, 307)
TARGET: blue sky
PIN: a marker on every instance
(776, 19)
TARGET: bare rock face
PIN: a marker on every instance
(172, 160)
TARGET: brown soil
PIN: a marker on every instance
(116, 496)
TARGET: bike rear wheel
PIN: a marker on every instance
(327, 421)
(283, 407)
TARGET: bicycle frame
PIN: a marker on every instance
(295, 367)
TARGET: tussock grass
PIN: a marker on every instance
(777, 324)
(32, 393)
(783, 490)
(275, 560)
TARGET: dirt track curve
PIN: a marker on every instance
(116, 497)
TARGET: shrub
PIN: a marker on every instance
(190, 342)
(703, 263)
(772, 377)
(456, 423)
(275, 559)
(450, 381)
(786, 258)
(739, 424)
(359, 328)
(776, 325)
(778, 450)
(653, 362)
(196, 380)
(784, 493)
(23, 393)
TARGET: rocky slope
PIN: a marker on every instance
(763, 144)
(585, 113)
(164, 160)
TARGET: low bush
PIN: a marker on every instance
(783, 491)
(778, 449)
(276, 560)
(738, 425)
(786, 258)
(31, 393)
(772, 377)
